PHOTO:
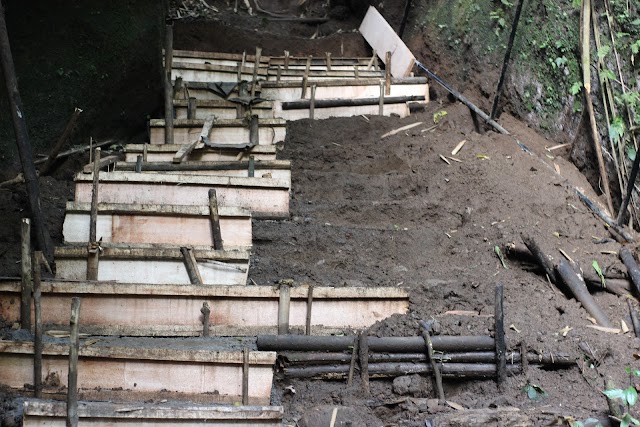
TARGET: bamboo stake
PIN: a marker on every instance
(381, 103)
(256, 65)
(42, 237)
(139, 164)
(387, 74)
(309, 307)
(312, 102)
(543, 260)
(26, 269)
(168, 86)
(72, 381)
(634, 318)
(216, 234)
(93, 247)
(206, 313)
(251, 172)
(245, 376)
(352, 365)
(632, 267)
(363, 346)
(432, 360)
(284, 305)
(37, 344)
(501, 345)
(191, 108)
(191, 265)
(61, 141)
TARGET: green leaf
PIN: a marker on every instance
(634, 372)
(575, 89)
(626, 420)
(596, 267)
(631, 152)
(607, 74)
(616, 130)
(534, 392)
(439, 116)
(603, 51)
(631, 395)
(614, 393)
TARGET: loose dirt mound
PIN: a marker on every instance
(392, 212)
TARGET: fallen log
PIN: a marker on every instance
(376, 344)
(579, 290)
(632, 267)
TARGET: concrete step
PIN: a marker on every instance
(137, 369)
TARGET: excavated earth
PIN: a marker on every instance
(367, 211)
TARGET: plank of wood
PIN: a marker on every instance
(115, 208)
(174, 310)
(149, 252)
(167, 411)
(104, 161)
(217, 55)
(183, 152)
(381, 37)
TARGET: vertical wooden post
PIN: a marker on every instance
(26, 286)
(240, 72)
(328, 54)
(354, 356)
(42, 237)
(191, 108)
(256, 66)
(144, 152)
(286, 59)
(252, 166)
(168, 86)
(312, 102)
(254, 131)
(218, 244)
(206, 316)
(364, 361)
(138, 164)
(245, 376)
(356, 72)
(387, 74)
(278, 74)
(381, 104)
(93, 250)
(305, 78)
(72, 381)
(309, 306)
(501, 345)
(284, 305)
(37, 308)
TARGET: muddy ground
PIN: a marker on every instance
(367, 211)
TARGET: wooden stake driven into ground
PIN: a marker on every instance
(168, 87)
(72, 381)
(93, 246)
(37, 342)
(25, 298)
(43, 239)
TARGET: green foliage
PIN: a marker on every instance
(534, 392)
(604, 51)
(575, 89)
(617, 130)
(589, 422)
(596, 267)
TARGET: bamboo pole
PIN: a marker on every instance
(543, 260)
(25, 276)
(206, 313)
(434, 364)
(214, 215)
(284, 305)
(376, 344)
(363, 350)
(579, 290)
(632, 267)
(505, 64)
(168, 86)
(37, 343)
(352, 365)
(72, 381)
(309, 307)
(245, 376)
(93, 259)
(42, 237)
(501, 345)
(191, 266)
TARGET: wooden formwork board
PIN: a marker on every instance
(382, 38)
(211, 57)
(176, 225)
(264, 197)
(401, 110)
(261, 169)
(348, 89)
(222, 109)
(106, 366)
(318, 61)
(170, 310)
(232, 132)
(166, 152)
(297, 75)
(213, 73)
(153, 264)
(42, 413)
